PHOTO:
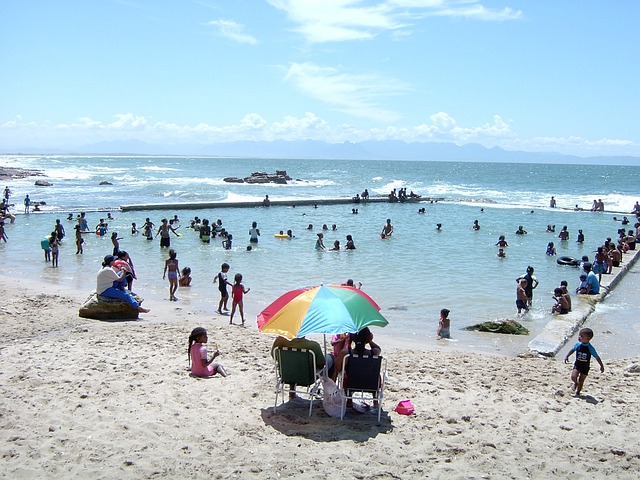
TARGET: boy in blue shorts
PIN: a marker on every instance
(584, 351)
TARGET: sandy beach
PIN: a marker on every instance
(92, 399)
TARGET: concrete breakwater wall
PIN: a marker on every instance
(273, 203)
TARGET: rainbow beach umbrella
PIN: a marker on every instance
(327, 309)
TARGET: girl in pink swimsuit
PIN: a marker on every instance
(201, 366)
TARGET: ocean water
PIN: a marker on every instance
(411, 275)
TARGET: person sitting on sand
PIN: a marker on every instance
(107, 281)
(303, 343)
(360, 340)
(201, 365)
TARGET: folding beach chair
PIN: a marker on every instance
(297, 367)
(365, 374)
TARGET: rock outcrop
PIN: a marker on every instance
(98, 307)
(501, 326)
(43, 183)
(280, 177)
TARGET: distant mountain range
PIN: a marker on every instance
(369, 150)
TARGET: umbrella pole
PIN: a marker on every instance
(326, 370)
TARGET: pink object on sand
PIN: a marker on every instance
(405, 407)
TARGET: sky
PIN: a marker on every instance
(536, 75)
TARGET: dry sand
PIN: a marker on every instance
(91, 399)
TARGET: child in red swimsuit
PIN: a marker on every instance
(237, 292)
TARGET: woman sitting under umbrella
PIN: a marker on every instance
(361, 339)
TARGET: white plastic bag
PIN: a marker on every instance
(332, 398)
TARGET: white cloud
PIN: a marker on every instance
(337, 20)
(354, 95)
(232, 31)
(345, 20)
(441, 127)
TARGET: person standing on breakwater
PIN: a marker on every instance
(163, 231)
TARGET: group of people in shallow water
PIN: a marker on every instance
(608, 255)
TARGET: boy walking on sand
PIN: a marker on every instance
(584, 351)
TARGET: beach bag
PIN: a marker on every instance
(332, 398)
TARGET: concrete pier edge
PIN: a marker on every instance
(559, 330)
(273, 203)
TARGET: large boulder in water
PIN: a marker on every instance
(501, 326)
(43, 183)
(98, 307)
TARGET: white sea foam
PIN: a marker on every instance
(154, 168)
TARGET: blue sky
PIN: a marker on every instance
(523, 75)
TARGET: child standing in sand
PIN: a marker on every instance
(444, 325)
(222, 281)
(584, 351)
(201, 366)
(172, 270)
(522, 300)
(238, 292)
